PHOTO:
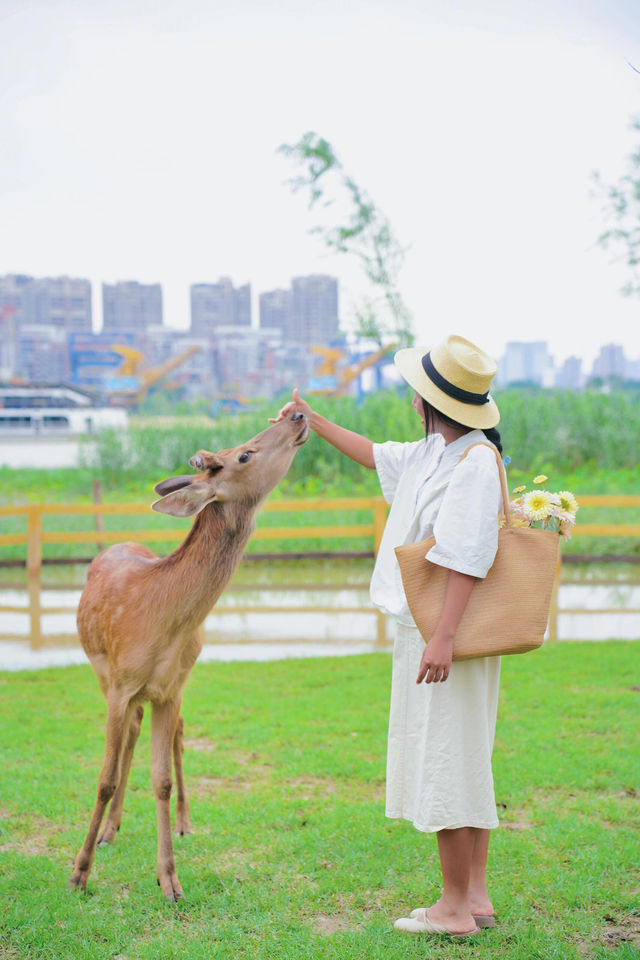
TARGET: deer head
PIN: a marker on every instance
(245, 474)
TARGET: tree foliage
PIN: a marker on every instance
(622, 211)
(362, 231)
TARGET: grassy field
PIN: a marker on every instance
(291, 855)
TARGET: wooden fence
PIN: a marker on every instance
(35, 536)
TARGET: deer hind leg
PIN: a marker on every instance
(164, 717)
(114, 817)
(118, 720)
(183, 824)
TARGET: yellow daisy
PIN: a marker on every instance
(540, 479)
(519, 521)
(568, 502)
(537, 505)
(519, 489)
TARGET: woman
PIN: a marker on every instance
(442, 716)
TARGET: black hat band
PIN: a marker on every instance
(456, 393)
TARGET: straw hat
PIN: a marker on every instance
(454, 377)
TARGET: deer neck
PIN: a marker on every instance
(194, 575)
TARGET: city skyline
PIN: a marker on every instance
(41, 316)
(265, 305)
(481, 160)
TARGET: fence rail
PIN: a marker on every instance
(35, 537)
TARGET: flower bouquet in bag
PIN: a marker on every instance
(508, 610)
(543, 509)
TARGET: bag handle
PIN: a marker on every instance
(501, 473)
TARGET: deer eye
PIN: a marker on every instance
(244, 456)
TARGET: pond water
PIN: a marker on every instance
(289, 609)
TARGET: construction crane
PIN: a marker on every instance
(132, 360)
(348, 374)
(331, 378)
(131, 383)
(332, 357)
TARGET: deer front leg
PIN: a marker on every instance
(183, 824)
(114, 817)
(164, 717)
(118, 716)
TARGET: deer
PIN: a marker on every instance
(139, 622)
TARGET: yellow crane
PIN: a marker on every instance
(347, 374)
(131, 368)
(331, 378)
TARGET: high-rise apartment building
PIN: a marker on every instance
(610, 362)
(314, 309)
(569, 376)
(60, 302)
(275, 310)
(17, 302)
(220, 304)
(525, 363)
(42, 354)
(37, 315)
(131, 306)
(64, 303)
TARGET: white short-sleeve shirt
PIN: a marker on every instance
(431, 494)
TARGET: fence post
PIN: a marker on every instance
(381, 628)
(97, 498)
(379, 520)
(35, 610)
(553, 612)
(34, 539)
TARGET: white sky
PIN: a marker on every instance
(139, 142)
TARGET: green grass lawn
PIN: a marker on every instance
(291, 855)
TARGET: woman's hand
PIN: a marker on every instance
(435, 662)
(346, 441)
(295, 405)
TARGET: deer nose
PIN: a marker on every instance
(298, 416)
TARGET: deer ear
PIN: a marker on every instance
(185, 502)
(173, 483)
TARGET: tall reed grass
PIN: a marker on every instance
(547, 431)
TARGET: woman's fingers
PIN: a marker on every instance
(432, 673)
(288, 407)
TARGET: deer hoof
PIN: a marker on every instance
(174, 896)
(78, 881)
(108, 835)
(197, 462)
(171, 888)
(183, 826)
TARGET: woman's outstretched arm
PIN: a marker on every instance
(352, 444)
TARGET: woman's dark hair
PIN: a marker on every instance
(431, 415)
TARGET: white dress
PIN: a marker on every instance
(440, 734)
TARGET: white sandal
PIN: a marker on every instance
(484, 921)
(419, 922)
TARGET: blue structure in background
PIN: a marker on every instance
(91, 355)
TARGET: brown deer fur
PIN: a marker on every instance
(138, 621)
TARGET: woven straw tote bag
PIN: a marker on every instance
(508, 611)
